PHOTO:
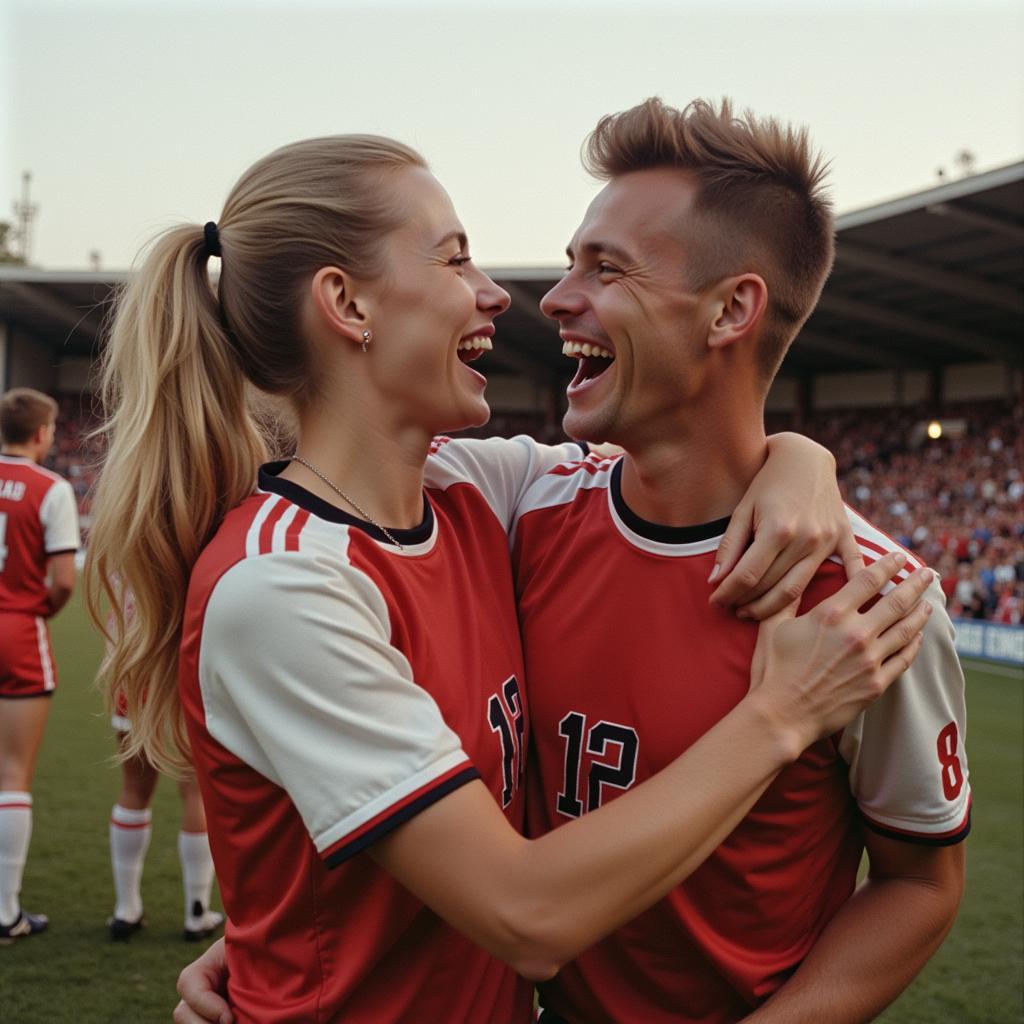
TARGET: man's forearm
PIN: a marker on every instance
(871, 950)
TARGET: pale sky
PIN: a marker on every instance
(135, 115)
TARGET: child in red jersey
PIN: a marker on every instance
(38, 541)
(334, 635)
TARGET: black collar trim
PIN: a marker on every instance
(655, 531)
(270, 480)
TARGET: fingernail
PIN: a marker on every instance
(929, 608)
(714, 573)
(742, 613)
(927, 575)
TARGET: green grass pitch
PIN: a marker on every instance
(73, 975)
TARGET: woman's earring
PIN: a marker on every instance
(366, 340)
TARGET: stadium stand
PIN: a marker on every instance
(957, 502)
(75, 456)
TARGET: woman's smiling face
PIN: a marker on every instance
(434, 311)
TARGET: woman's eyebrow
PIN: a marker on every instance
(460, 236)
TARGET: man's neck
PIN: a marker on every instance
(694, 477)
(19, 451)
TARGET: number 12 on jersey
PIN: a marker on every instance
(505, 716)
(616, 745)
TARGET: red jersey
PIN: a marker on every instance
(38, 519)
(334, 686)
(627, 666)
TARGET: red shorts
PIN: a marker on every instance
(26, 660)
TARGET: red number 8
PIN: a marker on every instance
(952, 773)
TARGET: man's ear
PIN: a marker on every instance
(741, 304)
(338, 304)
(38, 438)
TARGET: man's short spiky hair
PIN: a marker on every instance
(760, 201)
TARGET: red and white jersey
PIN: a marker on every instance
(334, 686)
(38, 519)
(628, 665)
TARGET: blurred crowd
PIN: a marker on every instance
(957, 502)
(74, 455)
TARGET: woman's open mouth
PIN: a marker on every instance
(473, 348)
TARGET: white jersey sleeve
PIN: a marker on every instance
(908, 766)
(502, 469)
(58, 513)
(299, 680)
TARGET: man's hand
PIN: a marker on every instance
(796, 516)
(817, 671)
(202, 987)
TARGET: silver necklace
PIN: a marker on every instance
(334, 487)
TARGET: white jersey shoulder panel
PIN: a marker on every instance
(300, 681)
(502, 469)
(58, 513)
(908, 765)
(561, 483)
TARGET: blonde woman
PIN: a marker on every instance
(334, 636)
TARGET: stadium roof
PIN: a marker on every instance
(927, 280)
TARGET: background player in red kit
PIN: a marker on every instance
(690, 275)
(38, 541)
(130, 832)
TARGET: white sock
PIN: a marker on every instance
(15, 834)
(197, 875)
(130, 832)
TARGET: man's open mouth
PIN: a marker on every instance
(593, 359)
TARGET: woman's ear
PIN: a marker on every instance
(338, 305)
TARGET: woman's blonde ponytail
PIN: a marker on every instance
(180, 365)
(181, 450)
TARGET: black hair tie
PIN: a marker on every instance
(212, 238)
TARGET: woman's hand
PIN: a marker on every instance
(797, 518)
(202, 986)
(816, 672)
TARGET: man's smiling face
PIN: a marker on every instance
(626, 301)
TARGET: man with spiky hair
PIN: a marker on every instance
(692, 272)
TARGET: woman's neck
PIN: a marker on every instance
(379, 472)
